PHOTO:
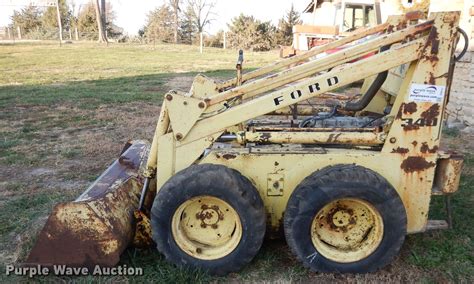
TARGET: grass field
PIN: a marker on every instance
(66, 112)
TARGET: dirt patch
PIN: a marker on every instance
(180, 83)
(41, 172)
(459, 142)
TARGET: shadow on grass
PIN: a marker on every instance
(92, 93)
(29, 104)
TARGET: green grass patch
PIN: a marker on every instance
(6, 144)
(71, 153)
(450, 251)
(18, 213)
(10, 157)
(451, 132)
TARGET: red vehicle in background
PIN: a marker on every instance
(332, 20)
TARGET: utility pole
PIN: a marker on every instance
(201, 41)
(225, 40)
(60, 25)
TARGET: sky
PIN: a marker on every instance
(131, 14)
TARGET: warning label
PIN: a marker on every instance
(421, 93)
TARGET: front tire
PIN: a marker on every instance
(345, 219)
(208, 217)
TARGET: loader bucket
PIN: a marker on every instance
(99, 225)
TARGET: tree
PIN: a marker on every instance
(216, 40)
(73, 20)
(159, 25)
(285, 26)
(246, 32)
(200, 12)
(187, 27)
(28, 19)
(49, 19)
(100, 22)
(175, 5)
(87, 22)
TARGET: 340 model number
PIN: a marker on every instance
(422, 122)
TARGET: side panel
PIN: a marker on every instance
(413, 185)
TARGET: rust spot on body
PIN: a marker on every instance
(414, 15)
(400, 112)
(426, 149)
(265, 137)
(432, 79)
(411, 127)
(400, 150)
(433, 41)
(333, 138)
(409, 108)
(431, 114)
(229, 156)
(416, 164)
(402, 25)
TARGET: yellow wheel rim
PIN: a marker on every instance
(347, 230)
(206, 228)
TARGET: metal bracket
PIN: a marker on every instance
(184, 113)
(275, 184)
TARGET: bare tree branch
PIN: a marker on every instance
(202, 12)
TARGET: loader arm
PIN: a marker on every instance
(391, 23)
(195, 124)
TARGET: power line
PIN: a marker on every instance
(35, 3)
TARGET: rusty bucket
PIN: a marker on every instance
(99, 225)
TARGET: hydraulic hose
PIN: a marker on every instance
(364, 101)
(466, 45)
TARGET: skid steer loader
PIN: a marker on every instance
(345, 178)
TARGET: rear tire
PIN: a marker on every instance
(208, 217)
(345, 219)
